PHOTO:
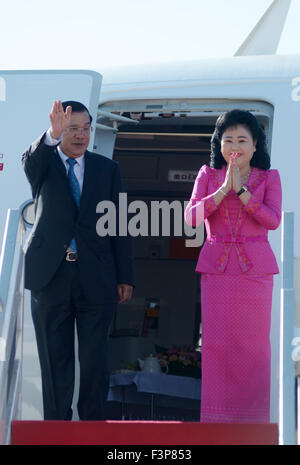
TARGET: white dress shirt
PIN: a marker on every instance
(78, 168)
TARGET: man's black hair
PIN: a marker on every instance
(77, 107)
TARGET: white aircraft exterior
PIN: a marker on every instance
(148, 119)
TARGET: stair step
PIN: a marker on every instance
(141, 433)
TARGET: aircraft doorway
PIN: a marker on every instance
(159, 161)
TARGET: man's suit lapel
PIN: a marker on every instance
(89, 181)
(60, 166)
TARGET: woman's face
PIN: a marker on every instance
(238, 139)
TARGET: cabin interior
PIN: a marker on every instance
(160, 158)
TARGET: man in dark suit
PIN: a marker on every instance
(75, 276)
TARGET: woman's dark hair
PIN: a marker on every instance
(77, 107)
(260, 159)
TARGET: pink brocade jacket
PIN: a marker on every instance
(237, 235)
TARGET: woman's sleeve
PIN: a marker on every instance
(200, 205)
(268, 211)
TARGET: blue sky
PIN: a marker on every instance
(98, 34)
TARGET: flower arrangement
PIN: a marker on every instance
(182, 360)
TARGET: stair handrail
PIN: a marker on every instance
(11, 318)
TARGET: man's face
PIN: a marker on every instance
(76, 137)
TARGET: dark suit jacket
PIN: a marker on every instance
(103, 262)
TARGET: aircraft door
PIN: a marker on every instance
(106, 131)
(26, 98)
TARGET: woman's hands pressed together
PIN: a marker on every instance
(233, 180)
(236, 176)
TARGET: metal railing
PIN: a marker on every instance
(11, 319)
(287, 418)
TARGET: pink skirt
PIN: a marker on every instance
(236, 353)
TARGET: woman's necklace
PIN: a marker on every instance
(245, 178)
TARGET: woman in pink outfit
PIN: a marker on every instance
(239, 199)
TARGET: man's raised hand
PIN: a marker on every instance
(59, 119)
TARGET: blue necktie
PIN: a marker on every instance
(75, 190)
